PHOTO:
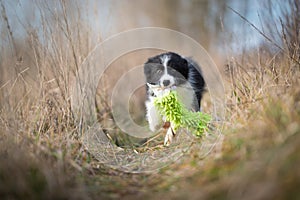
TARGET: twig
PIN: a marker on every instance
(263, 34)
(4, 15)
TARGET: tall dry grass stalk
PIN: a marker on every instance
(270, 70)
(36, 120)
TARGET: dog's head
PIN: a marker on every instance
(166, 70)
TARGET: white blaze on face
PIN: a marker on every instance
(166, 80)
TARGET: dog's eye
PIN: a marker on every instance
(159, 71)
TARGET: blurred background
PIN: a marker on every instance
(255, 44)
(28, 26)
(44, 42)
(210, 23)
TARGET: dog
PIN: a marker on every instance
(170, 71)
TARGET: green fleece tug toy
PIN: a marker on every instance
(169, 106)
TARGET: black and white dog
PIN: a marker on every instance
(170, 71)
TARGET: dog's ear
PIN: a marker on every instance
(185, 62)
(155, 60)
(147, 68)
(150, 63)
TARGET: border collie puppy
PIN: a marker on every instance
(170, 71)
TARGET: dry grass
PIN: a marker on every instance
(41, 152)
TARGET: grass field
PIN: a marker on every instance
(41, 151)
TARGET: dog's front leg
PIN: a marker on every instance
(153, 116)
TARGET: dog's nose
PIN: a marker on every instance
(166, 82)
